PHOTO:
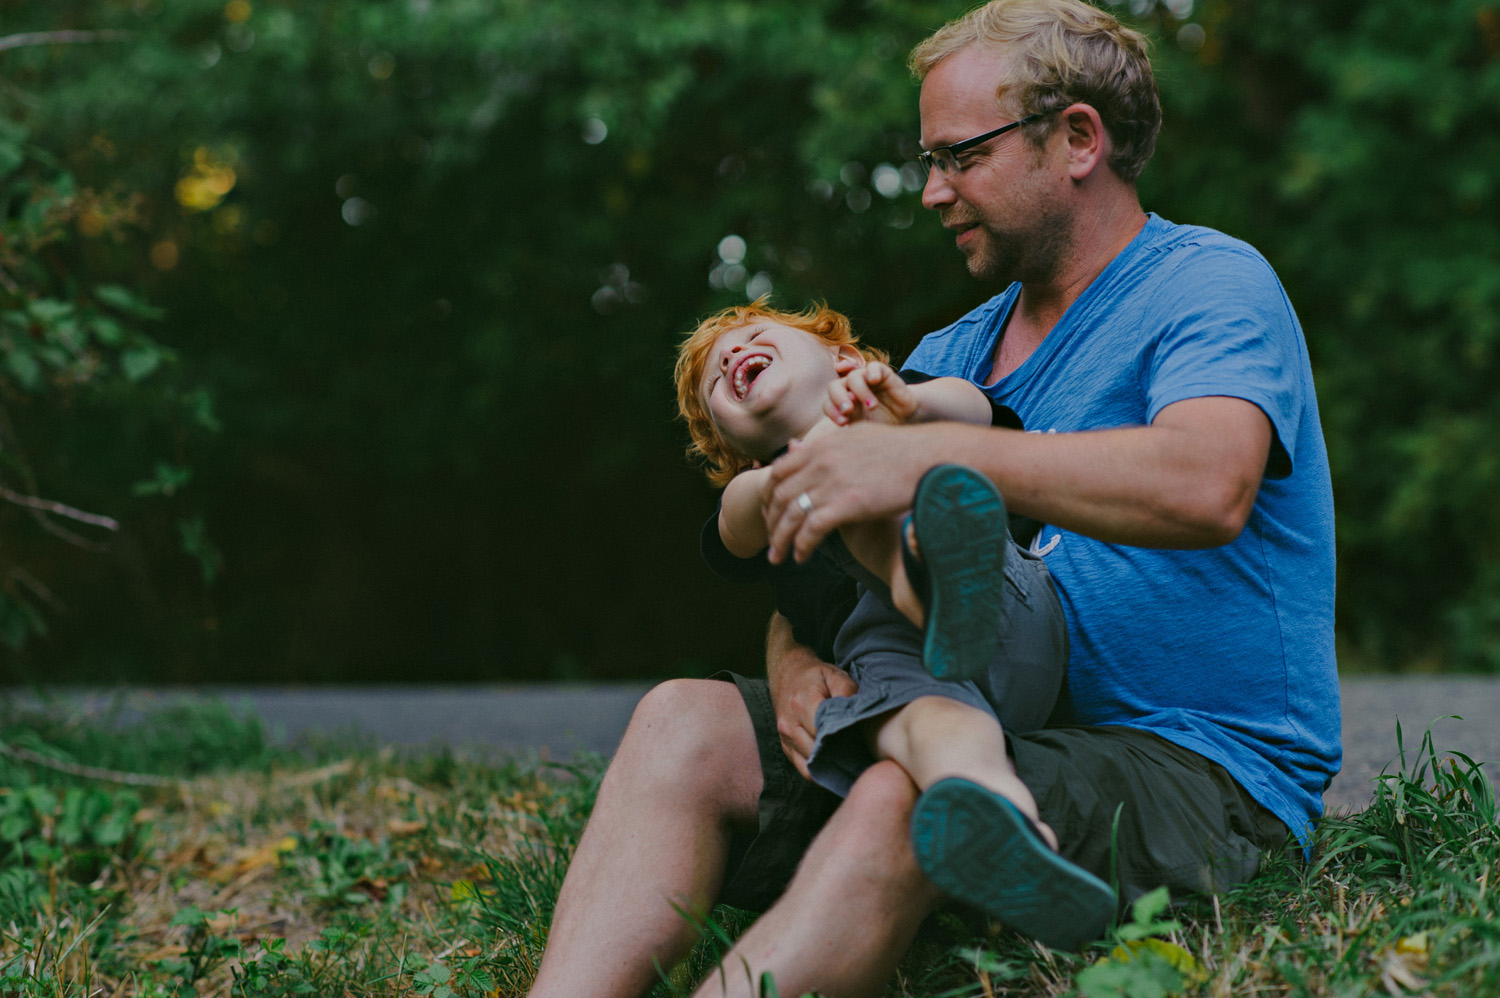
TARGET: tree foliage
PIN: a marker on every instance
(68, 342)
(434, 255)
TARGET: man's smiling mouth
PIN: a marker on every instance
(746, 371)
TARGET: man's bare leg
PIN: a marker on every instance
(852, 909)
(687, 772)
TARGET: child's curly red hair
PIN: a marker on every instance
(722, 461)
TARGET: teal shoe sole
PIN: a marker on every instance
(976, 847)
(962, 541)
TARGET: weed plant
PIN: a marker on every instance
(249, 870)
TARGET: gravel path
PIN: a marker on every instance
(560, 720)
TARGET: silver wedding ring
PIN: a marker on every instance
(804, 503)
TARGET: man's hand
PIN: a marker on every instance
(865, 471)
(799, 681)
(872, 392)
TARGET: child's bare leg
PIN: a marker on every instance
(934, 737)
(876, 545)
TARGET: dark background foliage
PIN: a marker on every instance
(422, 264)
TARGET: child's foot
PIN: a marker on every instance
(958, 569)
(977, 847)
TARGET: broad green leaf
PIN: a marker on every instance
(127, 301)
(139, 362)
(21, 361)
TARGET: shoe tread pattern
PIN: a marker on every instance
(976, 847)
(962, 539)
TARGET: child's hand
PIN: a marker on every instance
(871, 392)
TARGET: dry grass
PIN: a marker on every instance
(254, 871)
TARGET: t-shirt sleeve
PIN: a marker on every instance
(725, 564)
(1232, 332)
(814, 597)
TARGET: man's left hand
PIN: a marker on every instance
(866, 471)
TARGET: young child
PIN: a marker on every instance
(956, 634)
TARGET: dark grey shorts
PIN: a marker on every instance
(1184, 822)
(882, 651)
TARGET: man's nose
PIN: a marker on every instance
(937, 191)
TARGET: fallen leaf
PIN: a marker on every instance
(400, 827)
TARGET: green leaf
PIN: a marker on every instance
(12, 147)
(196, 544)
(108, 331)
(139, 362)
(127, 301)
(192, 915)
(165, 481)
(21, 361)
(49, 311)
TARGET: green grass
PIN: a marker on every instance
(229, 866)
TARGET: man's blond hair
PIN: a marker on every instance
(1063, 52)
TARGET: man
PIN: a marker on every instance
(1183, 484)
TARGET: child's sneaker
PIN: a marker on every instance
(978, 848)
(958, 570)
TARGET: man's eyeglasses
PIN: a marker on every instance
(945, 158)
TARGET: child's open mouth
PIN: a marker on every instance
(746, 372)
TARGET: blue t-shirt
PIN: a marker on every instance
(1226, 651)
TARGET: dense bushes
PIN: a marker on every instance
(431, 259)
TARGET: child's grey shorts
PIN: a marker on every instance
(882, 651)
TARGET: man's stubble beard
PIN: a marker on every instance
(1032, 255)
(1033, 252)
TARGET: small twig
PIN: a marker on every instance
(445, 954)
(38, 590)
(87, 772)
(48, 506)
(61, 38)
(327, 772)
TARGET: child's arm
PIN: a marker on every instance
(876, 392)
(742, 522)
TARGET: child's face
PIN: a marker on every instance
(765, 384)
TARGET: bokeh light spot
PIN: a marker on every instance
(90, 224)
(206, 182)
(237, 11)
(382, 65)
(358, 211)
(732, 249)
(758, 286)
(164, 255)
(886, 180)
(595, 131)
(229, 219)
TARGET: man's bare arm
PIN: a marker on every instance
(1189, 480)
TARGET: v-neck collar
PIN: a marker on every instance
(1071, 321)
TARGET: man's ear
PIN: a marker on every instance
(1087, 139)
(847, 358)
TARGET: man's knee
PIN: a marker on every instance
(693, 733)
(690, 714)
(869, 837)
